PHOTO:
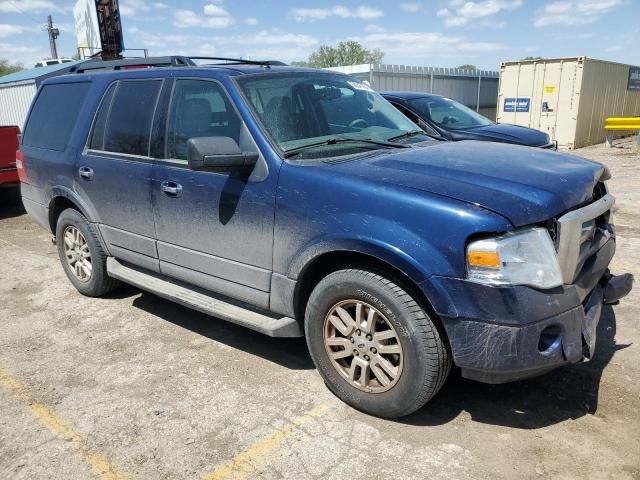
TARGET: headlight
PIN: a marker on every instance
(525, 257)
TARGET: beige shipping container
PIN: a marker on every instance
(568, 98)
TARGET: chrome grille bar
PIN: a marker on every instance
(577, 227)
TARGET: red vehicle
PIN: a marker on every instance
(8, 147)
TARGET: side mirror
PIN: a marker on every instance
(218, 153)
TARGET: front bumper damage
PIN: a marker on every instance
(502, 334)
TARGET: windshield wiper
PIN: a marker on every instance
(407, 135)
(333, 141)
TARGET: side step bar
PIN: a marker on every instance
(203, 302)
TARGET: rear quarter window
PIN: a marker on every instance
(54, 115)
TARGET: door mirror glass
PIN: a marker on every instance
(218, 153)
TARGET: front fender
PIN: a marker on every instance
(374, 246)
(322, 209)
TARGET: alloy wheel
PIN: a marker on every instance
(363, 346)
(76, 251)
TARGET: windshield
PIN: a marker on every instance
(312, 110)
(448, 114)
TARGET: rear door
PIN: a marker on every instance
(114, 172)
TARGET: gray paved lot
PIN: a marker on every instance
(133, 386)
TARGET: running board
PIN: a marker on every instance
(203, 302)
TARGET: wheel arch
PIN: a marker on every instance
(61, 199)
(399, 269)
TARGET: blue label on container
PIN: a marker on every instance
(517, 104)
(634, 78)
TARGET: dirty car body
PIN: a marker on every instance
(322, 176)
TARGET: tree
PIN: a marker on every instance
(531, 58)
(6, 68)
(345, 53)
(468, 66)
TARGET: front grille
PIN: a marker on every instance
(580, 233)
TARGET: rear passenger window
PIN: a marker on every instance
(123, 124)
(54, 115)
(199, 108)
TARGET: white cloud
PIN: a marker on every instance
(251, 21)
(214, 16)
(273, 44)
(7, 30)
(313, 14)
(418, 45)
(212, 10)
(410, 7)
(130, 7)
(460, 13)
(27, 6)
(578, 12)
(21, 54)
(371, 28)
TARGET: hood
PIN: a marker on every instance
(525, 185)
(503, 132)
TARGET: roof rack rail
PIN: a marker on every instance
(167, 61)
(240, 61)
(130, 63)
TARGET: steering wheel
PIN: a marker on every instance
(358, 123)
(449, 119)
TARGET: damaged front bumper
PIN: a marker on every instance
(502, 334)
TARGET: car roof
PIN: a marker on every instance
(410, 95)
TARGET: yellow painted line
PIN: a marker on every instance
(101, 465)
(258, 456)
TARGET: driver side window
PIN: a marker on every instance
(199, 108)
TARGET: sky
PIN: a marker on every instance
(442, 33)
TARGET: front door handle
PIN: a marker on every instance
(172, 189)
(86, 173)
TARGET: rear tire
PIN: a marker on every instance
(81, 255)
(373, 344)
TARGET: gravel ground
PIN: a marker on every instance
(133, 386)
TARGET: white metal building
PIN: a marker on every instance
(18, 89)
(569, 98)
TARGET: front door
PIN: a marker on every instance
(214, 229)
(114, 173)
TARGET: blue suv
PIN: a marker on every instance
(300, 202)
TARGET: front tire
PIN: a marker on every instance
(81, 255)
(373, 344)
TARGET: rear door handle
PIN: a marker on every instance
(172, 189)
(86, 173)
